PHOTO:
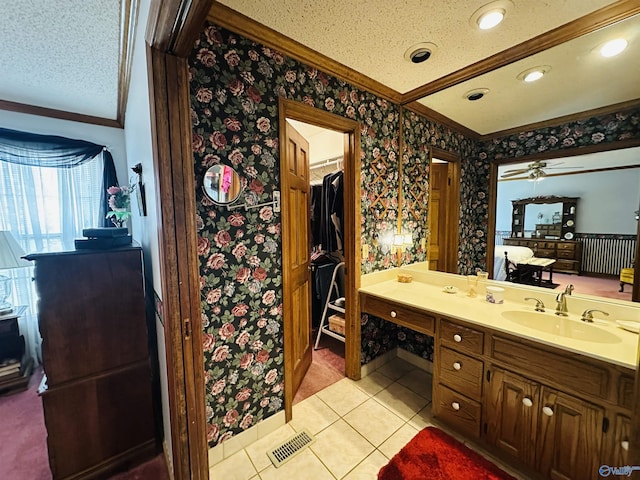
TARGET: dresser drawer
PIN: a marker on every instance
(566, 246)
(545, 253)
(565, 265)
(399, 314)
(457, 410)
(460, 372)
(459, 337)
(547, 366)
(566, 254)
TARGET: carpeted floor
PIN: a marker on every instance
(326, 368)
(23, 437)
(599, 286)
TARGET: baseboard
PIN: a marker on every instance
(418, 361)
(377, 362)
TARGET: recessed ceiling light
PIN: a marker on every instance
(476, 94)
(490, 15)
(533, 74)
(613, 47)
(420, 52)
(490, 19)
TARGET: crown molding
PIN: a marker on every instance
(589, 23)
(225, 17)
(59, 114)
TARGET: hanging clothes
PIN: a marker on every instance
(316, 215)
(332, 212)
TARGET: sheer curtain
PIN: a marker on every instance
(46, 208)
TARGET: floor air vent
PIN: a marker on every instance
(290, 448)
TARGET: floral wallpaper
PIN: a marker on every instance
(235, 84)
(621, 126)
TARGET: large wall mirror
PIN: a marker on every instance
(604, 225)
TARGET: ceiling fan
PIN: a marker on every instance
(534, 171)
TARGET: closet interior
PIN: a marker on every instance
(326, 178)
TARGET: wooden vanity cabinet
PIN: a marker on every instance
(458, 377)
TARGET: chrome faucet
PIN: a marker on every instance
(561, 304)
(587, 315)
(539, 304)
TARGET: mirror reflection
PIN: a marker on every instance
(222, 184)
(607, 186)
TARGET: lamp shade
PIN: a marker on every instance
(11, 252)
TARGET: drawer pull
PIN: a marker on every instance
(393, 314)
(625, 444)
(455, 405)
(527, 402)
(548, 411)
(457, 365)
(457, 338)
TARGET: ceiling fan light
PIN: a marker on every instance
(613, 47)
(490, 19)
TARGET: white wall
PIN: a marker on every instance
(137, 133)
(607, 201)
(113, 138)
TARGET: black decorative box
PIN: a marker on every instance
(104, 243)
(105, 232)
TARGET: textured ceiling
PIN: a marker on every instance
(373, 38)
(61, 54)
(373, 42)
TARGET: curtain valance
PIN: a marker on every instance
(60, 152)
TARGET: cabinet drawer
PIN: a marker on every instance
(457, 410)
(398, 314)
(566, 246)
(460, 372)
(565, 265)
(566, 254)
(460, 337)
(576, 374)
(545, 253)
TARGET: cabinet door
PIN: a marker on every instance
(619, 448)
(569, 437)
(512, 414)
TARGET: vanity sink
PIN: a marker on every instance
(561, 326)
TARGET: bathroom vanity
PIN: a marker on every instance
(550, 393)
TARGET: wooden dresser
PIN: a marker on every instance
(567, 253)
(97, 397)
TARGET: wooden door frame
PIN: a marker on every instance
(452, 196)
(172, 28)
(351, 129)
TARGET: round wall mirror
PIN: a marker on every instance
(222, 184)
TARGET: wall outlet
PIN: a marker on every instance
(365, 250)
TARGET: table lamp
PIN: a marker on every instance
(10, 257)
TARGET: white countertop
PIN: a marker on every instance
(426, 292)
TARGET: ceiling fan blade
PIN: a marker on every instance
(558, 168)
(511, 173)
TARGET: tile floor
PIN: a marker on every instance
(349, 444)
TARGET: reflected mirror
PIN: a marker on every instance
(607, 186)
(222, 184)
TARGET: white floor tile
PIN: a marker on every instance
(373, 383)
(395, 368)
(304, 465)
(373, 421)
(257, 451)
(398, 440)
(343, 396)
(422, 419)
(312, 414)
(340, 448)
(368, 469)
(418, 381)
(402, 401)
(236, 467)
